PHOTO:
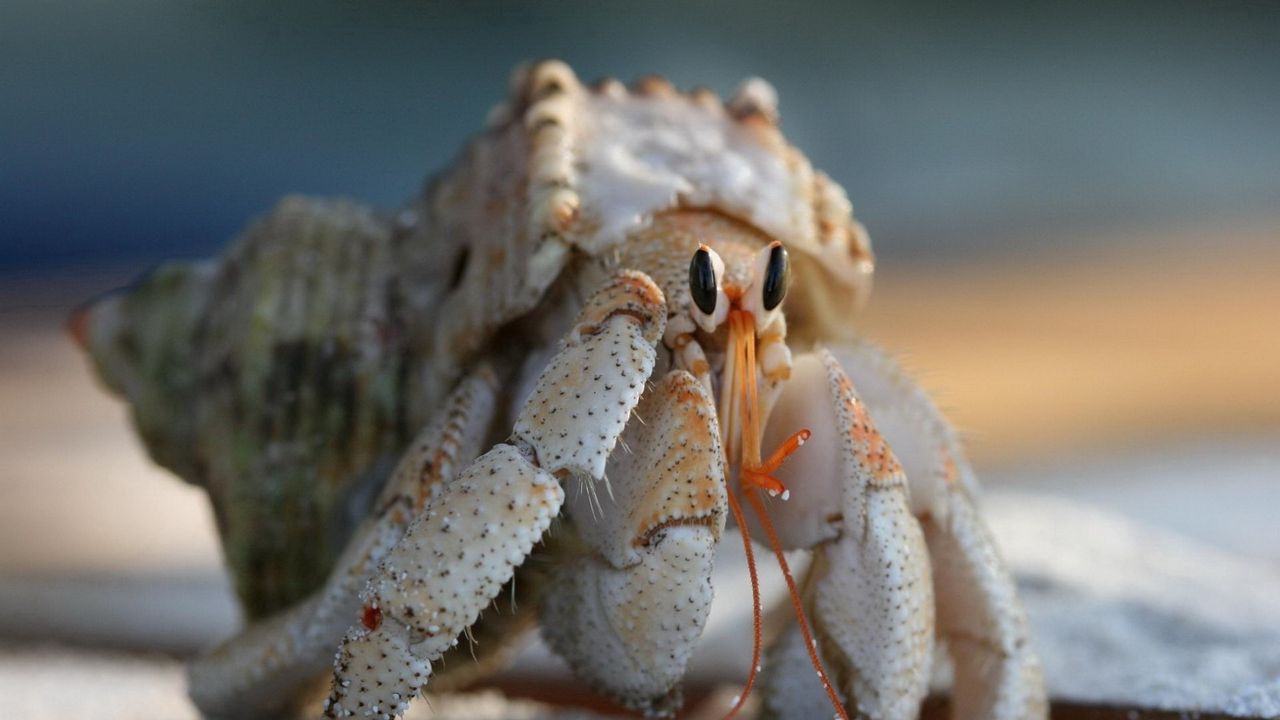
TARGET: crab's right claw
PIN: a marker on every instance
(626, 613)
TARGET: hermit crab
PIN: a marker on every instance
(536, 396)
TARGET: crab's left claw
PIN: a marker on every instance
(627, 612)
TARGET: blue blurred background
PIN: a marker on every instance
(1075, 206)
(136, 131)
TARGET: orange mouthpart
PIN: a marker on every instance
(754, 475)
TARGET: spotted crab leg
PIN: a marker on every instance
(627, 611)
(454, 558)
(870, 594)
(980, 618)
(262, 669)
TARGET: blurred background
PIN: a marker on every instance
(1075, 208)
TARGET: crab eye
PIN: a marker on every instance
(777, 275)
(702, 281)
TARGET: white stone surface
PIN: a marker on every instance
(1126, 614)
(54, 683)
(1121, 614)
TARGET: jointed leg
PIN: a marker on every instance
(262, 669)
(981, 620)
(433, 584)
(455, 557)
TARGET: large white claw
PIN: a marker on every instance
(627, 613)
(629, 631)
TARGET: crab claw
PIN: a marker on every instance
(627, 611)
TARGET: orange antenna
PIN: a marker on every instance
(798, 605)
(756, 475)
(738, 382)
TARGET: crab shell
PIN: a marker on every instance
(288, 375)
(565, 170)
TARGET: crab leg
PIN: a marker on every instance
(997, 673)
(870, 594)
(262, 668)
(455, 557)
(981, 620)
(627, 612)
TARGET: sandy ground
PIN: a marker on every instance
(1147, 384)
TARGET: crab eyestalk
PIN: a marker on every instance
(742, 428)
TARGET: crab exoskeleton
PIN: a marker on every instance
(572, 349)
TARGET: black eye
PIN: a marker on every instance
(702, 281)
(777, 273)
